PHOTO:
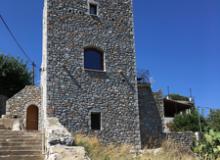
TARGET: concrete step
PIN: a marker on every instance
(21, 157)
(20, 152)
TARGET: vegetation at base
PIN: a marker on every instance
(209, 147)
(99, 151)
(178, 97)
(213, 120)
(188, 122)
(191, 121)
(14, 75)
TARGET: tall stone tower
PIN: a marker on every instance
(89, 68)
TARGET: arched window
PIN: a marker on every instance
(93, 59)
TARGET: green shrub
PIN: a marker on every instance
(187, 122)
(209, 147)
(214, 120)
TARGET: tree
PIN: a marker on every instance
(188, 122)
(214, 120)
(14, 75)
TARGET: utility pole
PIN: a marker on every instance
(33, 73)
(199, 119)
(190, 92)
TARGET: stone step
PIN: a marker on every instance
(21, 157)
(27, 147)
(23, 144)
(20, 152)
(28, 140)
(2, 127)
(3, 131)
(20, 138)
(20, 145)
(19, 135)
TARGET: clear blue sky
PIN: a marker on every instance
(178, 41)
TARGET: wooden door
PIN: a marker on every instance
(32, 118)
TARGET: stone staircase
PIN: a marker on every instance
(20, 145)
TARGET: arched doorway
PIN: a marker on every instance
(32, 118)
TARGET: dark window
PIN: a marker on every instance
(95, 121)
(93, 9)
(93, 59)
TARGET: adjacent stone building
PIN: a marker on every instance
(89, 68)
(26, 106)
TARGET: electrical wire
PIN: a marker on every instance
(16, 41)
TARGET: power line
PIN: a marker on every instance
(208, 108)
(15, 39)
(20, 47)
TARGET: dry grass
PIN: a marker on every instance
(98, 151)
(169, 151)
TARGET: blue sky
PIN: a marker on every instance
(178, 41)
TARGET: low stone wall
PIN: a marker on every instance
(60, 152)
(184, 139)
(59, 143)
(7, 123)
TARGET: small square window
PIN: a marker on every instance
(93, 59)
(93, 9)
(95, 121)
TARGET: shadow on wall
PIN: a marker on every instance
(150, 119)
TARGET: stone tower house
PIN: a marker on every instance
(89, 68)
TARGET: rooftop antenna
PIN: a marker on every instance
(190, 95)
(168, 92)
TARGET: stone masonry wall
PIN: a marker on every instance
(150, 121)
(3, 100)
(184, 139)
(73, 92)
(18, 104)
(159, 99)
